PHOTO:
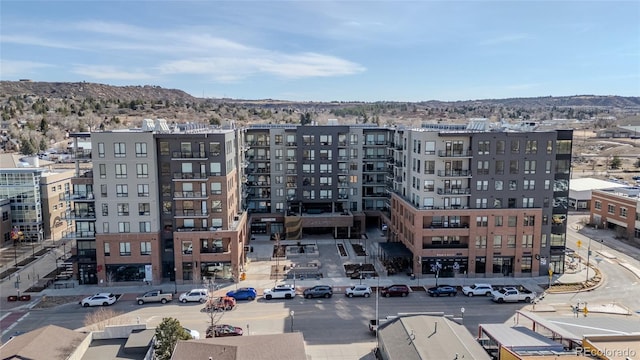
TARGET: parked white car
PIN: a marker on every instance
(283, 291)
(195, 334)
(100, 299)
(199, 295)
(358, 290)
(478, 289)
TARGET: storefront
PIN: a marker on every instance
(445, 266)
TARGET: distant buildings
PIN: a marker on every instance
(617, 208)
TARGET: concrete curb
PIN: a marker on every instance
(602, 277)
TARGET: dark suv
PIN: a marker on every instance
(325, 291)
(395, 290)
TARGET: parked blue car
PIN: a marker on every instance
(247, 293)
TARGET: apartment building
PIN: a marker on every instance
(466, 201)
(5, 222)
(34, 192)
(315, 179)
(160, 204)
(617, 208)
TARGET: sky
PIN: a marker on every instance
(330, 50)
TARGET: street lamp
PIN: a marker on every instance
(462, 314)
(360, 273)
(438, 267)
(175, 281)
(291, 313)
(588, 256)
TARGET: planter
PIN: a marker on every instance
(12, 298)
(25, 297)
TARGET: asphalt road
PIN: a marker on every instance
(338, 320)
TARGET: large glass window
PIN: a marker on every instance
(122, 273)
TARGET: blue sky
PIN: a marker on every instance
(330, 50)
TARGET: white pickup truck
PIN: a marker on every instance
(511, 294)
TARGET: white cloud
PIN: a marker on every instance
(109, 72)
(510, 38)
(19, 69)
(229, 69)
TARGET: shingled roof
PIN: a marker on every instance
(49, 342)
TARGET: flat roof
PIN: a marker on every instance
(585, 184)
(520, 338)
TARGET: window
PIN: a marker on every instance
(481, 221)
(215, 149)
(101, 150)
(482, 185)
(483, 167)
(497, 241)
(515, 146)
(308, 168)
(481, 242)
(429, 185)
(547, 184)
(623, 212)
(145, 226)
(512, 221)
(308, 139)
(611, 209)
(531, 147)
(525, 264)
(107, 249)
(326, 139)
(543, 241)
(325, 168)
(215, 169)
(125, 249)
(500, 147)
(141, 149)
(529, 185)
(563, 166)
(498, 185)
(513, 166)
(142, 170)
(145, 248)
(481, 203)
(119, 150)
(511, 241)
(123, 209)
(498, 220)
(429, 147)
(325, 181)
(429, 167)
(511, 203)
(326, 194)
(549, 146)
(529, 166)
(527, 203)
(527, 241)
(216, 206)
(499, 167)
(121, 171)
(309, 155)
(144, 209)
(529, 220)
(598, 204)
(103, 190)
(103, 171)
(122, 190)
(124, 227)
(513, 184)
(143, 190)
(164, 148)
(216, 188)
(483, 147)
(563, 147)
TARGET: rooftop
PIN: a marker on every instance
(586, 184)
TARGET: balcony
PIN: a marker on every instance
(454, 173)
(258, 143)
(76, 197)
(190, 212)
(455, 153)
(258, 183)
(261, 170)
(78, 235)
(291, 158)
(189, 195)
(445, 246)
(461, 191)
(82, 215)
(192, 176)
(177, 155)
(440, 225)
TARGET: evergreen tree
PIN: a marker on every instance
(26, 147)
(615, 163)
(168, 332)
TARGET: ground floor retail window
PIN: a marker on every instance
(481, 265)
(445, 266)
(87, 274)
(217, 270)
(129, 272)
(503, 265)
(187, 271)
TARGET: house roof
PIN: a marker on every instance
(585, 184)
(289, 346)
(428, 337)
(49, 342)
